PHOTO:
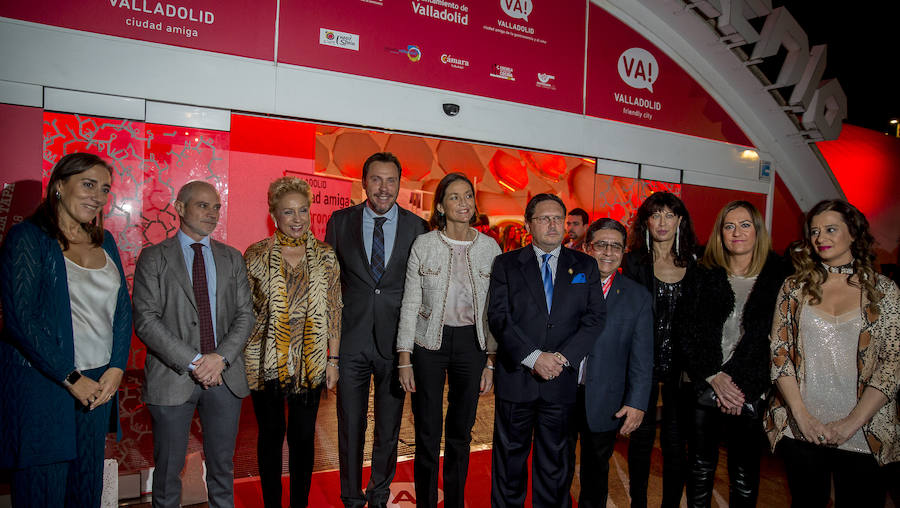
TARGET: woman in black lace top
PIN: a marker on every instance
(660, 255)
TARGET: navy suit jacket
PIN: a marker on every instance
(619, 368)
(518, 318)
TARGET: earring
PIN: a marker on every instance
(57, 194)
(647, 238)
(677, 235)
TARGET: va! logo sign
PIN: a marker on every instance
(518, 9)
(638, 68)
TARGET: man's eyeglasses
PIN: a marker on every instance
(602, 246)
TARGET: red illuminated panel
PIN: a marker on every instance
(865, 163)
(704, 203)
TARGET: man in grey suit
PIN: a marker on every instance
(615, 377)
(194, 314)
(372, 241)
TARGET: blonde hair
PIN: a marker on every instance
(287, 185)
(716, 255)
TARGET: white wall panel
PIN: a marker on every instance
(660, 174)
(69, 59)
(21, 94)
(87, 103)
(188, 116)
(617, 168)
(724, 182)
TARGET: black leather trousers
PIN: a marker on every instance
(742, 435)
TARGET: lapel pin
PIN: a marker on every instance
(570, 271)
(617, 291)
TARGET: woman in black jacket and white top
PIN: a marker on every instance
(723, 320)
(443, 329)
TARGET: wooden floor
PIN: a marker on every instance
(773, 486)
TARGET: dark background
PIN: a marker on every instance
(863, 37)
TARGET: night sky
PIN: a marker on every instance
(863, 39)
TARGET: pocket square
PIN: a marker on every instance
(579, 279)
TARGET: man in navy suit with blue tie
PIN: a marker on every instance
(615, 377)
(546, 309)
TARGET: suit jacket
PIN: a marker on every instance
(165, 319)
(619, 368)
(370, 307)
(518, 318)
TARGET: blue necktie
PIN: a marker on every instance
(377, 261)
(548, 281)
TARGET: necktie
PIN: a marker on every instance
(201, 295)
(548, 280)
(377, 262)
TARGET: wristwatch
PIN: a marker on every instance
(72, 378)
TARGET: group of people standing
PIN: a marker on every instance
(579, 342)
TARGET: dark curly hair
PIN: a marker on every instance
(808, 265)
(687, 241)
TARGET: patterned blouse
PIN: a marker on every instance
(878, 364)
(297, 311)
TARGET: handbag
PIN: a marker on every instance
(708, 398)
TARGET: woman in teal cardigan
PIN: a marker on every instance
(65, 341)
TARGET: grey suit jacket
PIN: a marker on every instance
(166, 320)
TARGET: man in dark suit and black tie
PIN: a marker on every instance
(372, 241)
(546, 309)
(192, 310)
(615, 377)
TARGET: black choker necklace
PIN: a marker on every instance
(843, 269)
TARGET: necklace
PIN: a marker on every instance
(843, 269)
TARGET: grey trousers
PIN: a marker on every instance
(220, 413)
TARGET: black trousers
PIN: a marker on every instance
(596, 450)
(742, 435)
(858, 481)
(677, 399)
(357, 372)
(461, 361)
(268, 405)
(514, 425)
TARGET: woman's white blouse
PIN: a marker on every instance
(93, 293)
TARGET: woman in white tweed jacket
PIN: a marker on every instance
(443, 330)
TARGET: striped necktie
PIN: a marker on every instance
(377, 262)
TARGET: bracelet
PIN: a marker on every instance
(334, 365)
(334, 357)
(489, 367)
(407, 366)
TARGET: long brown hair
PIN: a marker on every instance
(717, 255)
(808, 265)
(47, 214)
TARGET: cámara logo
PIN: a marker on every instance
(455, 62)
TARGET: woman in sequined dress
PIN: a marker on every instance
(661, 254)
(835, 348)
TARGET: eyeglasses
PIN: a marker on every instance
(602, 246)
(544, 220)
